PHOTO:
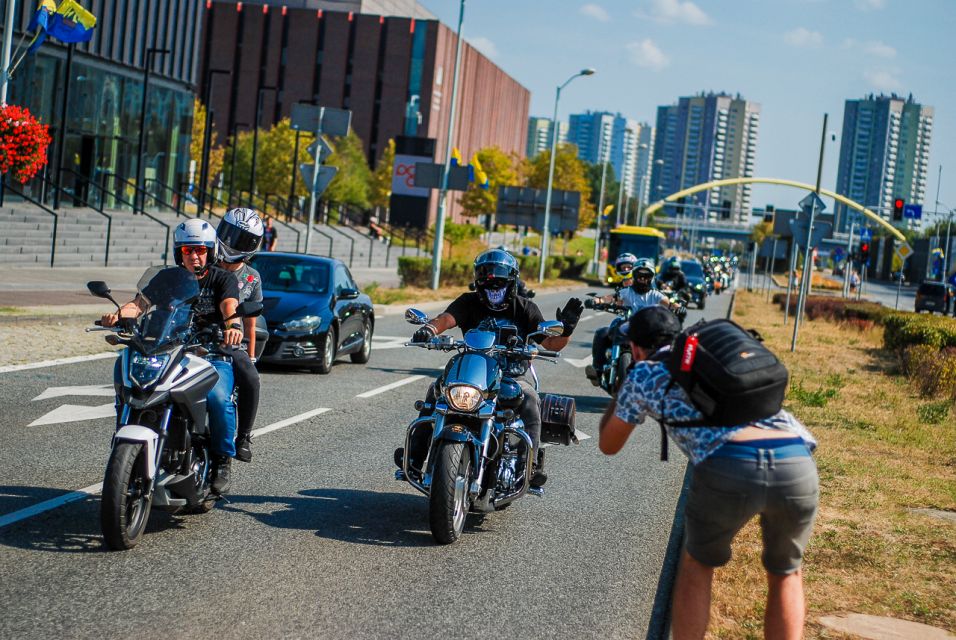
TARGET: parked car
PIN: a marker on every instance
(314, 311)
(696, 281)
(933, 295)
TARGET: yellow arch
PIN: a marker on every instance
(729, 182)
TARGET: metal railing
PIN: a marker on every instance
(86, 203)
(178, 196)
(43, 207)
(142, 211)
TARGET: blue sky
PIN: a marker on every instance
(797, 58)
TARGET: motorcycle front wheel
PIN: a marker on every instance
(124, 508)
(448, 500)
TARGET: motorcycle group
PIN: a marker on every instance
(187, 388)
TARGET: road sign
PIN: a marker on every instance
(428, 175)
(334, 122)
(913, 211)
(866, 233)
(325, 176)
(821, 230)
(904, 251)
(320, 146)
(812, 201)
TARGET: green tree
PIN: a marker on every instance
(570, 174)
(381, 182)
(274, 162)
(611, 184)
(501, 170)
(216, 151)
(351, 184)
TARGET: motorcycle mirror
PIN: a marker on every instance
(101, 290)
(592, 294)
(414, 316)
(249, 309)
(551, 328)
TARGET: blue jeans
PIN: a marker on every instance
(219, 405)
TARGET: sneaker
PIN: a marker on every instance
(399, 457)
(592, 375)
(244, 447)
(222, 474)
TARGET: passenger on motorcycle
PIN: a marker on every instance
(637, 296)
(240, 236)
(195, 248)
(496, 279)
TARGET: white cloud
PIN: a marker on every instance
(879, 49)
(645, 53)
(801, 37)
(595, 11)
(870, 5)
(678, 11)
(484, 45)
(883, 80)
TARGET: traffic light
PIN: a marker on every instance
(898, 205)
(864, 250)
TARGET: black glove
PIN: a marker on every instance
(424, 334)
(570, 315)
(589, 303)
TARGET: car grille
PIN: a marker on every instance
(298, 350)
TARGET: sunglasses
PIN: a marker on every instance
(642, 276)
(188, 251)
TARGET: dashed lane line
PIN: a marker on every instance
(52, 363)
(389, 387)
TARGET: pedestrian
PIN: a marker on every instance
(763, 467)
(269, 236)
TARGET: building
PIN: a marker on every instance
(644, 162)
(105, 92)
(540, 131)
(884, 153)
(403, 8)
(607, 137)
(703, 138)
(393, 72)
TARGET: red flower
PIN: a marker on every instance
(23, 142)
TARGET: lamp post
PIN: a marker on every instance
(207, 137)
(597, 218)
(255, 139)
(554, 144)
(141, 147)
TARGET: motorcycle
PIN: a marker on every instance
(679, 299)
(479, 458)
(619, 355)
(160, 454)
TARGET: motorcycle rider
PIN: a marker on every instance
(240, 234)
(673, 277)
(637, 296)
(495, 296)
(195, 246)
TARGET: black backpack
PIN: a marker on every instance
(727, 373)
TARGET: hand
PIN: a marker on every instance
(232, 337)
(570, 315)
(424, 334)
(109, 319)
(589, 303)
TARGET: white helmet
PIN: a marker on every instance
(239, 234)
(195, 233)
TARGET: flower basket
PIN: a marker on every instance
(23, 142)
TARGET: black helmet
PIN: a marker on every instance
(496, 277)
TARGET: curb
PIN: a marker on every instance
(659, 627)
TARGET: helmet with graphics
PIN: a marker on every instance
(496, 278)
(240, 234)
(624, 264)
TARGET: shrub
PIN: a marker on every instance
(931, 370)
(901, 330)
(417, 272)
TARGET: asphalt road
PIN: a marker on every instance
(318, 539)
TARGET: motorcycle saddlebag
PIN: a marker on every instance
(557, 419)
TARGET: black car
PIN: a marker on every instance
(314, 311)
(934, 296)
(696, 281)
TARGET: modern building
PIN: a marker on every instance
(540, 131)
(403, 8)
(393, 72)
(703, 138)
(104, 90)
(644, 162)
(607, 137)
(884, 153)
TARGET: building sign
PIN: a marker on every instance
(403, 176)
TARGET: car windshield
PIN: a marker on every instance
(692, 268)
(293, 275)
(170, 293)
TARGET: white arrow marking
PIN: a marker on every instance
(87, 390)
(75, 413)
(389, 342)
(580, 363)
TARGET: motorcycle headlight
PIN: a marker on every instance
(305, 323)
(145, 370)
(463, 397)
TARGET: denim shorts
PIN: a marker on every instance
(739, 481)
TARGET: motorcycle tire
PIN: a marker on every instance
(700, 305)
(448, 500)
(124, 507)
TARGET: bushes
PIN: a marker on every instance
(416, 271)
(901, 330)
(933, 371)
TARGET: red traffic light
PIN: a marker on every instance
(898, 205)
(864, 246)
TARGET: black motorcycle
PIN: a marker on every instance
(479, 457)
(160, 453)
(619, 357)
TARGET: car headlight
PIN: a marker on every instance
(698, 286)
(463, 397)
(305, 323)
(145, 370)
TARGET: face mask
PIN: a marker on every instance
(641, 286)
(496, 297)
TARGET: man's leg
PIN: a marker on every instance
(690, 611)
(786, 607)
(599, 346)
(222, 425)
(247, 384)
(530, 412)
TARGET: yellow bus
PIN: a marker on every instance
(643, 242)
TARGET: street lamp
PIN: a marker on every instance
(142, 122)
(255, 139)
(597, 218)
(554, 144)
(207, 137)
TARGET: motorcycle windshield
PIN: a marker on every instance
(170, 293)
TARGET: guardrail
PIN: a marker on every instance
(43, 207)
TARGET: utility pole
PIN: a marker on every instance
(597, 219)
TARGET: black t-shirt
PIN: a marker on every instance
(218, 285)
(468, 311)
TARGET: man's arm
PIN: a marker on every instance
(231, 336)
(614, 432)
(132, 309)
(249, 328)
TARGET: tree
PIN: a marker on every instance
(351, 184)
(501, 171)
(381, 182)
(216, 151)
(611, 184)
(570, 174)
(274, 161)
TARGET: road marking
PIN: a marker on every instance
(588, 317)
(389, 387)
(52, 363)
(76, 413)
(29, 512)
(577, 362)
(389, 342)
(288, 421)
(86, 390)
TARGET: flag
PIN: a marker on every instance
(480, 176)
(39, 24)
(72, 23)
(607, 211)
(455, 157)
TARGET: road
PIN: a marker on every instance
(318, 539)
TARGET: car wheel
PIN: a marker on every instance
(328, 353)
(362, 356)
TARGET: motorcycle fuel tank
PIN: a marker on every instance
(475, 369)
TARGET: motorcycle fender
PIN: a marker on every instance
(454, 433)
(149, 438)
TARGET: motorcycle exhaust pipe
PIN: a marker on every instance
(529, 452)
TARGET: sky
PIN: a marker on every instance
(798, 59)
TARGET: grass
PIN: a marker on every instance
(883, 451)
(10, 310)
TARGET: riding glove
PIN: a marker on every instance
(570, 315)
(424, 334)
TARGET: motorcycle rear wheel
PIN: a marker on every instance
(448, 500)
(124, 508)
(623, 364)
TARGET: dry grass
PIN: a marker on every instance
(878, 460)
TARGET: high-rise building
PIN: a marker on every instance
(645, 157)
(607, 137)
(703, 138)
(540, 132)
(884, 153)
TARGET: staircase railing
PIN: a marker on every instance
(178, 196)
(141, 211)
(43, 207)
(86, 203)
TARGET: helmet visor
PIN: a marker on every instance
(492, 270)
(238, 239)
(625, 268)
